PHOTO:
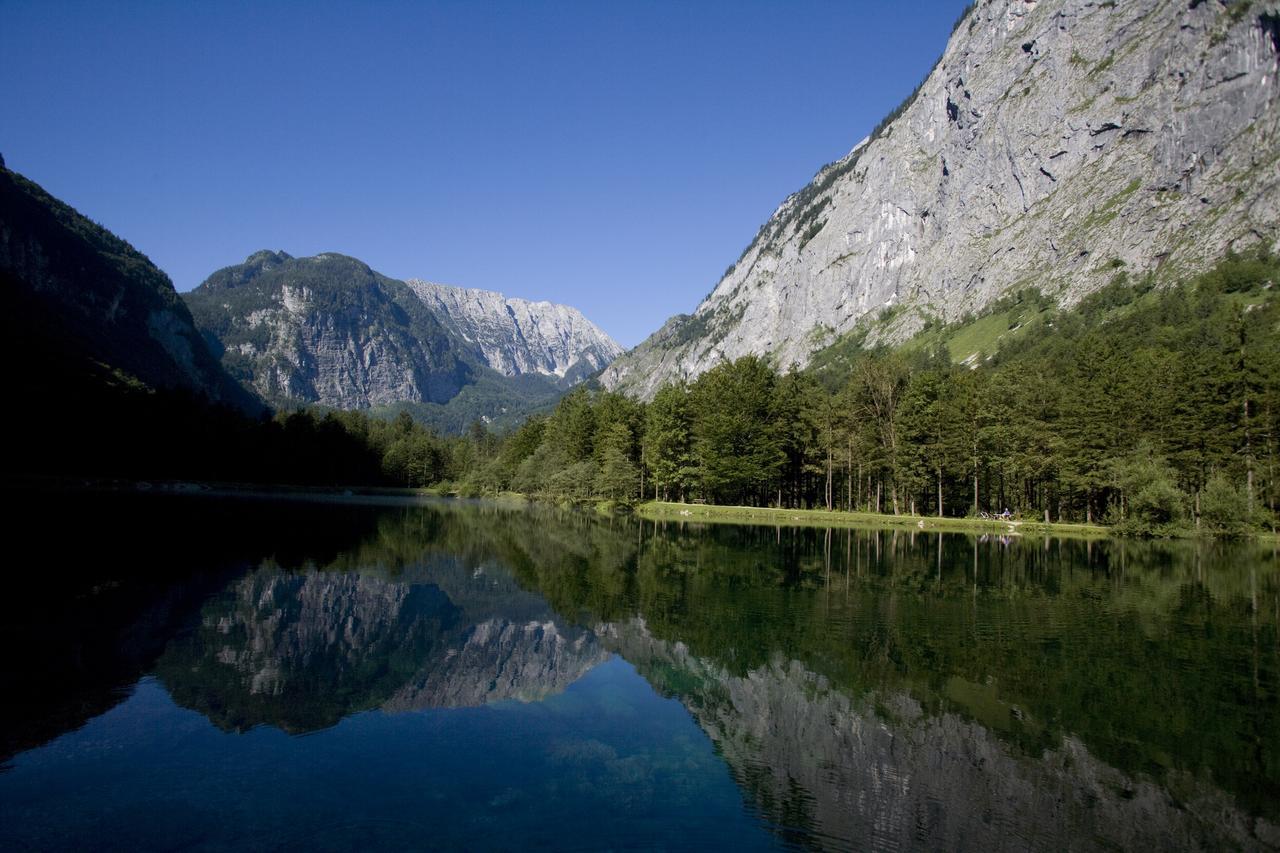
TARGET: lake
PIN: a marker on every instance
(205, 673)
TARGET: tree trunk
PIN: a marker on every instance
(939, 491)
(1248, 444)
(829, 473)
(848, 479)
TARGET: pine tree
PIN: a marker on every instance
(668, 442)
(616, 477)
(736, 440)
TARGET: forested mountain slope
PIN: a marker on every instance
(81, 305)
(114, 381)
(1154, 409)
(1054, 142)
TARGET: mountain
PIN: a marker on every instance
(516, 336)
(330, 330)
(1054, 144)
(83, 306)
(327, 330)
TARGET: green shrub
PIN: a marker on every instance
(1224, 507)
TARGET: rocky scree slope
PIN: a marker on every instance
(82, 305)
(1055, 143)
(330, 330)
(517, 336)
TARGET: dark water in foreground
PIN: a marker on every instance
(195, 673)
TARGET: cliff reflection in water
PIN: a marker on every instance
(864, 688)
(992, 693)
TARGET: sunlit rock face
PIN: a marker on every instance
(516, 336)
(881, 770)
(1055, 143)
(328, 329)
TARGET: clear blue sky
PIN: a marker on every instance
(613, 156)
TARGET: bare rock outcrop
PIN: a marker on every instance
(517, 336)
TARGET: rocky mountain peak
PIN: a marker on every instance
(329, 329)
(326, 329)
(259, 262)
(516, 336)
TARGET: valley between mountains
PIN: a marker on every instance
(1044, 284)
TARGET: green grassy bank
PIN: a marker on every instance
(662, 511)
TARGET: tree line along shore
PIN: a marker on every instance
(1151, 409)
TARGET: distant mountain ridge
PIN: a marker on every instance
(1055, 144)
(516, 336)
(328, 329)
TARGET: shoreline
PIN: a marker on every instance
(669, 511)
(648, 510)
(216, 488)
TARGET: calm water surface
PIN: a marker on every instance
(200, 673)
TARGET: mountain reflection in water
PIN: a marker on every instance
(301, 651)
(861, 688)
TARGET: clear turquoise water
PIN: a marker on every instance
(189, 673)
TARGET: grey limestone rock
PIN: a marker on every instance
(330, 330)
(1054, 142)
(517, 336)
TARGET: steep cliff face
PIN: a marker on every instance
(516, 336)
(327, 330)
(1055, 142)
(77, 294)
